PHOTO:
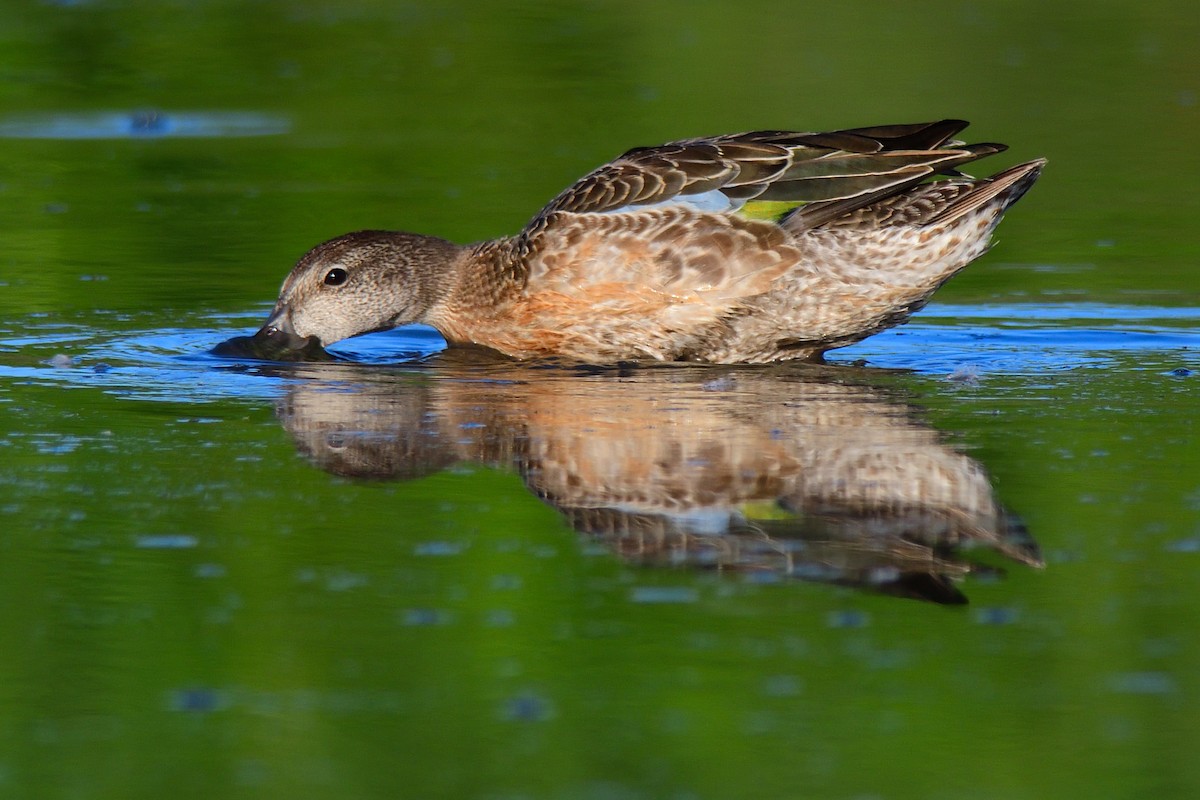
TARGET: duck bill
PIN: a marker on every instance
(278, 332)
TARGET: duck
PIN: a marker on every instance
(745, 248)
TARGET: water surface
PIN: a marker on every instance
(959, 561)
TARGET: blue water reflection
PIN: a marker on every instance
(144, 124)
(962, 343)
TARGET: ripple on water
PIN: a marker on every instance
(527, 707)
(166, 541)
(425, 617)
(664, 594)
(142, 124)
(966, 344)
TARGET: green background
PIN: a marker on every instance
(189, 608)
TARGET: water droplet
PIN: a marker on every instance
(166, 541)
(965, 373)
(499, 618)
(718, 385)
(664, 594)
(425, 617)
(996, 616)
(344, 581)
(847, 619)
(527, 707)
(196, 699)
(438, 548)
(782, 686)
(507, 582)
(1142, 683)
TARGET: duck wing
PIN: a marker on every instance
(829, 174)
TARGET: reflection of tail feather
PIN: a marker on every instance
(924, 586)
(815, 548)
(922, 491)
(939, 528)
(1017, 542)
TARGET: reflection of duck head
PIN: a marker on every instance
(776, 473)
(382, 431)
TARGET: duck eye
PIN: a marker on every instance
(336, 277)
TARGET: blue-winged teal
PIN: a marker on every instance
(745, 248)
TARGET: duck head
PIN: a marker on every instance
(360, 283)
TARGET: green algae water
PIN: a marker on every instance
(959, 561)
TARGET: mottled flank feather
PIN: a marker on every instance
(657, 256)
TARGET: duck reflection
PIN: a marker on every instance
(780, 473)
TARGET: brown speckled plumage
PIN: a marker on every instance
(655, 256)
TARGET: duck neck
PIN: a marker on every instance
(484, 278)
